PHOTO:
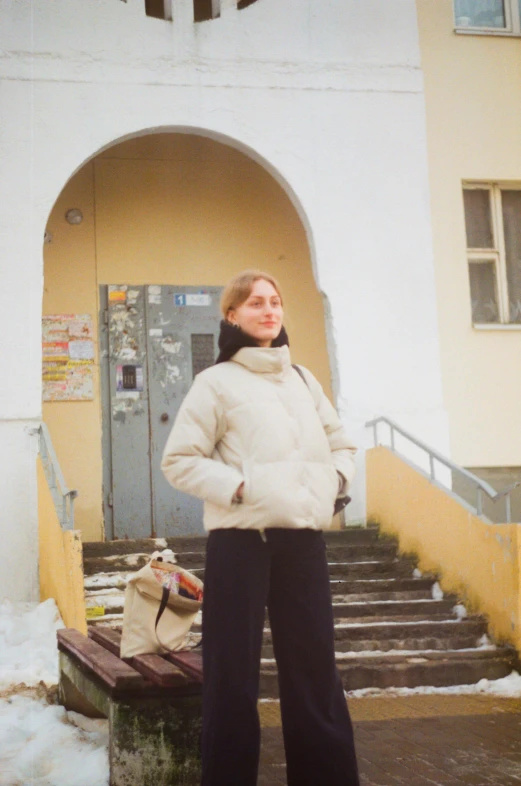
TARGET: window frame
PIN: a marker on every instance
(512, 22)
(497, 253)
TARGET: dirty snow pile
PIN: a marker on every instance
(41, 744)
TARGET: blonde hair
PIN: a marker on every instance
(239, 289)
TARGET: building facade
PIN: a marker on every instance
(144, 152)
(471, 60)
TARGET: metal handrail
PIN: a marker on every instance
(480, 485)
(63, 497)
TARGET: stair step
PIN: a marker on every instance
(409, 656)
(350, 562)
(435, 669)
(397, 645)
(391, 584)
(198, 543)
(105, 580)
(371, 597)
(386, 568)
(407, 628)
(389, 631)
(391, 608)
(338, 569)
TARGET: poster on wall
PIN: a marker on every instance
(68, 357)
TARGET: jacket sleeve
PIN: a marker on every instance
(342, 449)
(187, 461)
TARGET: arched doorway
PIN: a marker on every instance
(166, 219)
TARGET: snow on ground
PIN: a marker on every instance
(41, 744)
(28, 644)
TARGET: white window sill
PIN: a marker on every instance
(487, 31)
(495, 326)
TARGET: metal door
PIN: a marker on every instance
(157, 338)
(183, 328)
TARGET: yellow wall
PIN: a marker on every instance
(169, 209)
(61, 561)
(478, 561)
(472, 87)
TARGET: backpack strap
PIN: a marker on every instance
(300, 373)
(341, 502)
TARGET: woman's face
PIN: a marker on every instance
(261, 314)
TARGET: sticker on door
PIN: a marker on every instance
(200, 299)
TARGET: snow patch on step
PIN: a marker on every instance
(107, 580)
(437, 592)
(366, 581)
(129, 559)
(417, 574)
(460, 611)
(360, 562)
(397, 623)
(415, 655)
(409, 653)
(506, 687)
(101, 593)
(389, 602)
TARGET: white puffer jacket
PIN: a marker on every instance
(252, 420)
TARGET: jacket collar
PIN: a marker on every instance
(264, 360)
(232, 339)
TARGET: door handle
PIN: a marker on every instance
(164, 417)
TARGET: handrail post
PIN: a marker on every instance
(508, 506)
(479, 502)
(375, 433)
(392, 438)
(431, 465)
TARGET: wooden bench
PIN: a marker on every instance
(152, 702)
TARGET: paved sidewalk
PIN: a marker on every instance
(420, 741)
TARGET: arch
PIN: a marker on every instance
(234, 143)
(127, 237)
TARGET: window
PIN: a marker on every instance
(160, 9)
(493, 227)
(500, 17)
(206, 9)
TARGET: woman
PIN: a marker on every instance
(267, 453)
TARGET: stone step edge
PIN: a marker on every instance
(371, 657)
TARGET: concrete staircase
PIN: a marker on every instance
(393, 626)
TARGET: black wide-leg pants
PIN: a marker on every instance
(288, 573)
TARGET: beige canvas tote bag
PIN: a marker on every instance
(156, 618)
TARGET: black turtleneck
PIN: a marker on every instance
(232, 338)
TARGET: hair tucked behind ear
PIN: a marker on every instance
(239, 289)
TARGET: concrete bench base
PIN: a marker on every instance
(154, 731)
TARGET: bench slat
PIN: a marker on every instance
(114, 672)
(154, 667)
(190, 662)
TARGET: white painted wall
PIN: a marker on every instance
(327, 94)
